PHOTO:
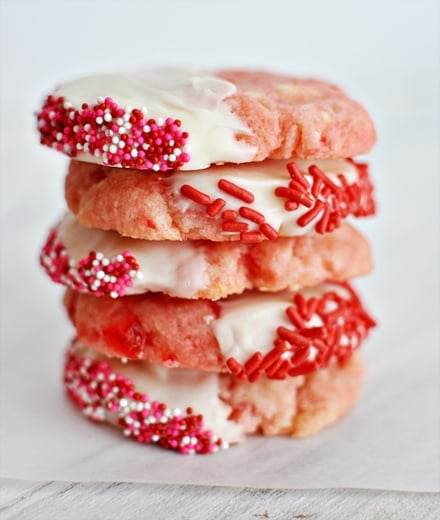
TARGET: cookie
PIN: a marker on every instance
(255, 334)
(104, 263)
(173, 119)
(250, 202)
(191, 411)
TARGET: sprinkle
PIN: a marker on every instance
(234, 366)
(195, 195)
(327, 203)
(335, 202)
(253, 362)
(251, 214)
(215, 207)
(236, 191)
(104, 395)
(251, 237)
(305, 219)
(233, 225)
(229, 214)
(95, 273)
(319, 174)
(306, 348)
(268, 231)
(296, 175)
(294, 195)
(295, 317)
(293, 337)
(115, 135)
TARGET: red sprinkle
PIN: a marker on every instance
(229, 214)
(195, 195)
(253, 362)
(289, 205)
(236, 191)
(251, 214)
(294, 195)
(233, 225)
(305, 219)
(327, 202)
(268, 231)
(234, 366)
(306, 348)
(215, 207)
(295, 317)
(296, 175)
(336, 201)
(251, 237)
(317, 173)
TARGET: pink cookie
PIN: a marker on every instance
(104, 263)
(173, 119)
(248, 202)
(255, 334)
(191, 411)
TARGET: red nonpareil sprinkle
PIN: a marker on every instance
(308, 347)
(95, 274)
(117, 136)
(195, 195)
(236, 191)
(104, 395)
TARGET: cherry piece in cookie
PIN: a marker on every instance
(276, 335)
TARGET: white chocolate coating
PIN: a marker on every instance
(180, 388)
(261, 179)
(248, 322)
(194, 97)
(178, 268)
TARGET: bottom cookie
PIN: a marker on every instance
(193, 411)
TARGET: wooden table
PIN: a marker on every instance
(117, 500)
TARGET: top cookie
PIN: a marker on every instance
(176, 119)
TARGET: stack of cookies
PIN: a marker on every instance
(206, 252)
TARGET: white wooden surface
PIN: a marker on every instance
(65, 501)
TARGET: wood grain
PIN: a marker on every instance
(95, 500)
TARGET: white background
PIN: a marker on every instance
(385, 54)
